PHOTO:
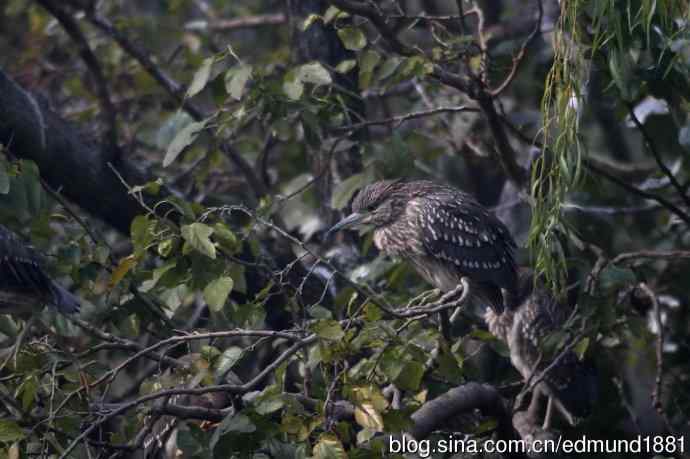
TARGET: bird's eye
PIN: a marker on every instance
(371, 207)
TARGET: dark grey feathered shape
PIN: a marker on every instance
(572, 383)
(445, 233)
(21, 273)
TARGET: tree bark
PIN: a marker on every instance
(69, 160)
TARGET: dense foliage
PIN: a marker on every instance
(179, 164)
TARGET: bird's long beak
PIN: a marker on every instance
(350, 220)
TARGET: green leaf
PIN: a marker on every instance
(581, 347)
(216, 292)
(367, 417)
(328, 329)
(368, 61)
(123, 267)
(312, 18)
(226, 238)
(314, 73)
(292, 85)
(389, 66)
(10, 431)
(236, 80)
(141, 230)
(228, 359)
(233, 422)
(200, 77)
(148, 284)
(331, 13)
(345, 66)
(268, 402)
(411, 376)
(345, 189)
(4, 178)
(198, 235)
(353, 38)
(182, 140)
(165, 247)
(28, 389)
(329, 447)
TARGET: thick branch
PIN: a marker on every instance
(69, 161)
(94, 66)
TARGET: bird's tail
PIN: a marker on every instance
(64, 300)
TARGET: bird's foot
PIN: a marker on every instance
(423, 299)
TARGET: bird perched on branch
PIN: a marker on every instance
(445, 233)
(569, 383)
(23, 281)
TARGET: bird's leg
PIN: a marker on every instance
(549, 413)
(423, 298)
(534, 404)
(445, 325)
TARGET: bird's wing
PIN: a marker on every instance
(467, 236)
(20, 271)
(19, 266)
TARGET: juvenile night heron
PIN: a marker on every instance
(23, 282)
(570, 384)
(445, 233)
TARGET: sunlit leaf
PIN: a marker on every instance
(292, 85)
(367, 416)
(353, 38)
(314, 73)
(236, 80)
(329, 447)
(331, 13)
(200, 77)
(312, 18)
(198, 235)
(345, 66)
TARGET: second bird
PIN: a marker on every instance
(445, 233)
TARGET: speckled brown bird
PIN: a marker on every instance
(445, 233)
(570, 384)
(22, 277)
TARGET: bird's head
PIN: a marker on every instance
(376, 205)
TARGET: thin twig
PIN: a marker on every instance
(517, 60)
(645, 194)
(658, 381)
(649, 142)
(399, 119)
(245, 22)
(231, 388)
